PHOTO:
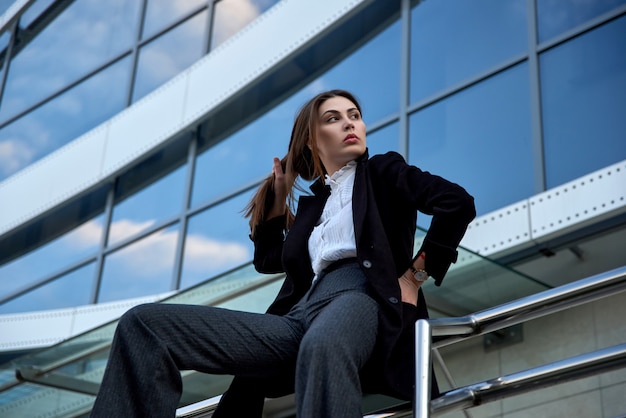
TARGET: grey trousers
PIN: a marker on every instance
(325, 340)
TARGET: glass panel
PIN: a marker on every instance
(73, 289)
(371, 74)
(217, 240)
(481, 139)
(86, 35)
(66, 250)
(231, 16)
(169, 54)
(4, 5)
(557, 16)
(383, 140)
(583, 100)
(63, 119)
(162, 199)
(161, 13)
(485, 33)
(33, 11)
(141, 268)
(246, 155)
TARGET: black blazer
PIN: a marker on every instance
(387, 195)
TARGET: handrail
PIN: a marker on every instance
(521, 310)
(560, 371)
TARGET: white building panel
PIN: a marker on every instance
(500, 231)
(588, 199)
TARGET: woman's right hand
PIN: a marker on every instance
(280, 190)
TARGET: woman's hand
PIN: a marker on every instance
(409, 286)
(280, 190)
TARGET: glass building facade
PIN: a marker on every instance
(507, 98)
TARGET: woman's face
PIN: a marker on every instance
(340, 133)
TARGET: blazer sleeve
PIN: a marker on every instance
(268, 245)
(451, 207)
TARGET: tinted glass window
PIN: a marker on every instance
(70, 248)
(169, 54)
(454, 40)
(142, 268)
(33, 12)
(154, 203)
(217, 240)
(160, 13)
(583, 102)
(83, 37)
(480, 138)
(73, 289)
(383, 140)
(557, 16)
(231, 16)
(63, 119)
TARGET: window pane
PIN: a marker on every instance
(453, 40)
(140, 269)
(231, 16)
(63, 119)
(169, 54)
(73, 289)
(557, 16)
(583, 101)
(69, 248)
(246, 155)
(371, 73)
(217, 240)
(4, 5)
(87, 34)
(161, 13)
(33, 11)
(160, 200)
(481, 139)
(383, 140)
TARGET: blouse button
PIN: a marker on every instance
(367, 264)
(393, 300)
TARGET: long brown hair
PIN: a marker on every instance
(300, 160)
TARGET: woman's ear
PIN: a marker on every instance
(308, 144)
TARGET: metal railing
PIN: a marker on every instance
(508, 314)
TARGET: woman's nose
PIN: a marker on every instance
(349, 124)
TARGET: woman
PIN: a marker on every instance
(343, 321)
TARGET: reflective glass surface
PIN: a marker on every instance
(584, 102)
(557, 16)
(169, 54)
(217, 240)
(73, 289)
(230, 16)
(160, 13)
(63, 119)
(481, 139)
(453, 40)
(142, 268)
(83, 37)
(160, 200)
(33, 11)
(69, 248)
(4, 5)
(383, 140)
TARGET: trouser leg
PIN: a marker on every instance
(153, 342)
(338, 342)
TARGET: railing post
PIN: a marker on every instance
(423, 337)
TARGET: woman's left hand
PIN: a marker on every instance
(409, 288)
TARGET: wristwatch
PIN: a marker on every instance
(419, 274)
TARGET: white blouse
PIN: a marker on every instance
(333, 238)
